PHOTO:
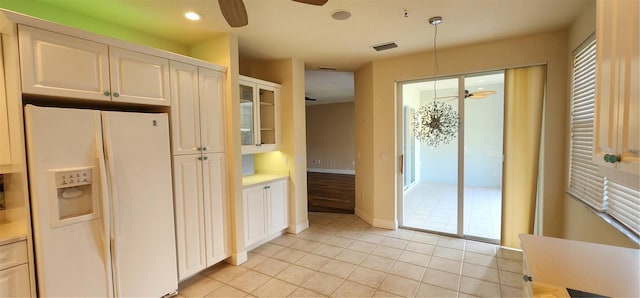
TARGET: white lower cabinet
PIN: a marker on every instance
(14, 282)
(14, 270)
(202, 229)
(265, 211)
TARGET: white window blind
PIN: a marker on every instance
(618, 201)
(623, 203)
(584, 181)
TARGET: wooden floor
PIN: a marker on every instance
(331, 192)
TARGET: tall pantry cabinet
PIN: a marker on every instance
(201, 206)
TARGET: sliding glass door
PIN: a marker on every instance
(432, 202)
(483, 132)
(455, 187)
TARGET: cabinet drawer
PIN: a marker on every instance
(13, 254)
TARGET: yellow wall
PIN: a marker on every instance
(380, 106)
(330, 136)
(292, 156)
(580, 222)
(363, 106)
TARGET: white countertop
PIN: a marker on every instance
(595, 268)
(12, 232)
(261, 178)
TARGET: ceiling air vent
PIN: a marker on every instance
(385, 46)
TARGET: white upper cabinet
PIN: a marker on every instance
(138, 78)
(617, 119)
(61, 65)
(211, 92)
(259, 115)
(197, 113)
(54, 64)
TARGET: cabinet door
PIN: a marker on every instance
(138, 78)
(14, 282)
(278, 206)
(5, 148)
(212, 109)
(59, 65)
(255, 215)
(268, 118)
(617, 121)
(185, 109)
(248, 136)
(216, 210)
(189, 209)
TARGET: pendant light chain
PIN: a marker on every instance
(435, 59)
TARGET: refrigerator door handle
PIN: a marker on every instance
(106, 140)
(106, 210)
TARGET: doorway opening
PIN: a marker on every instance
(455, 188)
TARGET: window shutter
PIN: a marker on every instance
(584, 181)
(624, 205)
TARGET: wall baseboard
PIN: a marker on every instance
(385, 224)
(238, 258)
(332, 171)
(298, 228)
(363, 216)
(376, 222)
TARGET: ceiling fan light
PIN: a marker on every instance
(193, 16)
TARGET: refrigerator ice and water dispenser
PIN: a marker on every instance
(75, 196)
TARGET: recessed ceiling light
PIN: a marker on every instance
(341, 15)
(192, 15)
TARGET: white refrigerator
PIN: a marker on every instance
(102, 202)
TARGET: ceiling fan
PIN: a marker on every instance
(236, 14)
(309, 98)
(475, 95)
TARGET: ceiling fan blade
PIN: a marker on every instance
(309, 98)
(312, 2)
(234, 12)
(481, 94)
(447, 97)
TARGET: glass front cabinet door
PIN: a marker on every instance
(259, 115)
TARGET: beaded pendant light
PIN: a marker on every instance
(435, 123)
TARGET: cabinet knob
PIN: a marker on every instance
(527, 278)
(107, 93)
(116, 94)
(199, 148)
(204, 148)
(205, 158)
(612, 158)
(200, 158)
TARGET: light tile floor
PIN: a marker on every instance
(434, 207)
(342, 256)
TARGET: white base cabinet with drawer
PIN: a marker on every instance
(14, 270)
(265, 211)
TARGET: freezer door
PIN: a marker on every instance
(139, 170)
(70, 243)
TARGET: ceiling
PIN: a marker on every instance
(282, 29)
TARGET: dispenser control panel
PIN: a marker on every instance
(73, 178)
